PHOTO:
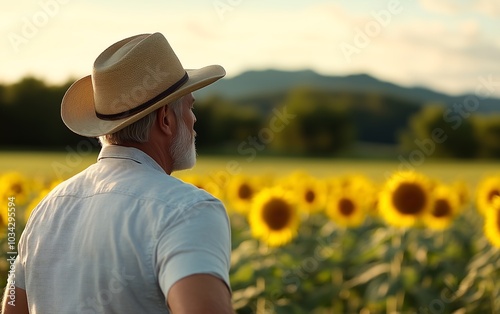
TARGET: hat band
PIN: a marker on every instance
(149, 103)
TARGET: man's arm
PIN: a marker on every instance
(199, 294)
(17, 305)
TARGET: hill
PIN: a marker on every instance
(266, 82)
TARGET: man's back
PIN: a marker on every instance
(116, 237)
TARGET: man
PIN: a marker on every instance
(123, 236)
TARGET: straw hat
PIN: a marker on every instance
(130, 79)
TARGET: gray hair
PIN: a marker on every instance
(140, 130)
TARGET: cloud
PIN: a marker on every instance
(446, 54)
(433, 54)
(490, 8)
(442, 6)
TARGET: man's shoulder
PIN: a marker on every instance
(139, 183)
(186, 201)
(171, 188)
(169, 198)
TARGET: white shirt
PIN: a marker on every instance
(117, 236)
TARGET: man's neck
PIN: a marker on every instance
(154, 151)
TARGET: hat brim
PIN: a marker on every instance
(78, 110)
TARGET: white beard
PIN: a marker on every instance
(183, 149)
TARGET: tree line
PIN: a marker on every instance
(302, 121)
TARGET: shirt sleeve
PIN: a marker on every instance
(198, 243)
(17, 267)
(18, 279)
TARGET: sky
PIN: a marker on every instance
(451, 46)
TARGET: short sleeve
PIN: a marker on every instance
(20, 262)
(18, 279)
(198, 243)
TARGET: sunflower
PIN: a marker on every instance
(461, 189)
(359, 184)
(204, 183)
(34, 202)
(346, 208)
(16, 186)
(311, 195)
(273, 216)
(404, 198)
(445, 208)
(492, 223)
(487, 189)
(292, 182)
(240, 192)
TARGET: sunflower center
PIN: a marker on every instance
(498, 221)
(310, 196)
(409, 199)
(245, 192)
(276, 214)
(441, 208)
(492, 195)
(16, 188)
(346, 207)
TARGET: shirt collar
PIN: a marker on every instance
(123, 152)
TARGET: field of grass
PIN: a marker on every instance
(50, 164)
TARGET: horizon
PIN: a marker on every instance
(430, 89)
(446, 47)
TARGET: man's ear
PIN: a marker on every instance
(165, 120)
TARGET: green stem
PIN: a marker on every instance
(261, 282)
(261, 301)
(395, 302)
(337, 273)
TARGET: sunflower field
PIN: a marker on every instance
(409, 243)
